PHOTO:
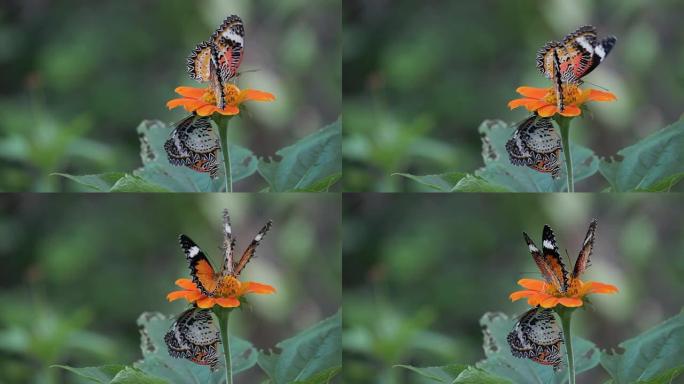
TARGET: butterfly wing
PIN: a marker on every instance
(249, 252)
(195, 336)
(548, 259)
(585, 52)
(203, 274)
(199, 62)
(228, 244)
(583, 259)
(537, 336)
(229, 40)
(194, 143)
(536, 144)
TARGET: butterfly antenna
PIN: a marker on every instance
(596, 85)
(240, 73)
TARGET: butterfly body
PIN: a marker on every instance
(536, 144)
(567, 62)
(195, 336)
(537, 336)
(194, 143)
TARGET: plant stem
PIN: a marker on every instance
(223, 123)
(564, 125)
(566, 317)
(224, 315)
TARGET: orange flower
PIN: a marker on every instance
(203, 101)
(543, 100)
(539, 292)
(233, 288)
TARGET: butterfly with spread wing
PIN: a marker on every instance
(536, 144)
(193, 143)
(195, 336)
(210, 282)
(567, 62)
(537, 336)
(217, 60)
(550, 263)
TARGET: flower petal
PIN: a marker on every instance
(191, 92)
(596, 95)
(571, 111)
(549, 302)
(596, 287)
(547, 111)
(227, 302)
(206, 110)
(171, 104)
(175, 295)
(259, 288)
(229, 110)
(533, 92)
(515, 103)
(255, 95)
(206, 302)
(533, 284)
(517, 295)
(187, 284)
(570, 301)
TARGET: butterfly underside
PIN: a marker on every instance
(208, 280)
(194, 144)
(539, 337)
(567, 62)
(195, 336)
(536, 144)
(218, 59)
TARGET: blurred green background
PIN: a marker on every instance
(79, 76)
(420, 271)
(420, 77)
(78, 270)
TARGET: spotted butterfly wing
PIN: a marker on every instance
(195, 336)
(548, 259)
(537, 336)
(251, 249)
(201, 270)
(536, 144)
(229, 40)
(583, 258)
(194, 144)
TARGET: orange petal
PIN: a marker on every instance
(517, 295)
(515, 103)
(187, 284)
(171, 104)
(533, 92)
(549, 302)
(206, 110)
(253, 94)
(570, 301)
(596, 95)
(534, 301)
(227, 302)
(229, 110)
(571, 111)
(536, 105)
(191, 92)
(206, 302)
(175, 295)
(252, 287)
(533, 284)
(547, 111)
(194, 296)
(596, 287)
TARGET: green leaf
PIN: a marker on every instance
(499, 171)
(472, 183)
(501, 362)
(135, 376)
(130, 183)
(441, 374)
(100, 183)
(444, 182)
(311, 164)
(102, 374)
(654, 164)
(157, 361)
(474, 375)
(322, 377)
(654, 356)
(307, 355)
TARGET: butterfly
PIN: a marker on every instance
(217, 60)
(536, 144)
(194, 143)
(210, 282)
(537, 336)
(195, 336)
(549, 261)
(567, 62)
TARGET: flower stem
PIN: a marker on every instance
(566, 317)
(224, 316)
(564, 124)
(223, 123)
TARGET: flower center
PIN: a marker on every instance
(232, 92)
(209, 97)
(228, 286)
(571, 94)
(574, 286)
